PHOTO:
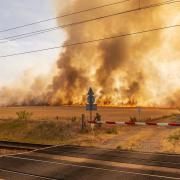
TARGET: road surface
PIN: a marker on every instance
(85, 163)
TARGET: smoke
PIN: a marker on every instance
(29, 90)
(134, 70)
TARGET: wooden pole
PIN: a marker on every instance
(82, 122)
(139, 113)
(90, 115)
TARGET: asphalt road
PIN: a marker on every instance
(85, 163)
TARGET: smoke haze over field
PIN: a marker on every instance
(141, 69)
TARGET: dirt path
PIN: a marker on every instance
(154, 143)
(125, 134)
(146, 139)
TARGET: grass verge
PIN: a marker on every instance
(38, 132)
(172, 142)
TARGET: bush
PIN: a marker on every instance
(24, 115)
(133, 119)
(73, 119)
(119, 147)
(112, 130)
(174, 137)
(148, 119)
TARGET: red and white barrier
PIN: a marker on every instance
(135, 123)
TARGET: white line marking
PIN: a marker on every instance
(120, 155)
(27, 152)
(96, 168)
(78, 147)
(26, 174)
(109, 163)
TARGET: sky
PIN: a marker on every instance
(16, 13)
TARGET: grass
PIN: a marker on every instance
(133, 143)
(38, 131)
(172, 142)
(175, 136)
(54, 132)
(112, 130)
(24, 115)
(68, 131)
(119, 147)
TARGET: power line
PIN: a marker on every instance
(65, 15)
(25, 35)
(92, 41)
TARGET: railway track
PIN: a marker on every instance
(167, 160)
(27, 174)
(40, 157)
(147, 175)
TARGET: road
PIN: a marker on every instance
(85, 163)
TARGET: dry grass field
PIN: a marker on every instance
(63, 112)
(67, 130)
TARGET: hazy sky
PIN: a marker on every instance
(15, 13)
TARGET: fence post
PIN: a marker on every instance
(82, 122)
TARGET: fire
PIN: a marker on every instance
(138, 70)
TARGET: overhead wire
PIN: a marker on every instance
(33, 33)
(91, 41)
(62, 16)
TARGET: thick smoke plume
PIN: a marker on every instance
(134, 70)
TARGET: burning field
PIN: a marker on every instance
(137, 70)
(129, 53)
